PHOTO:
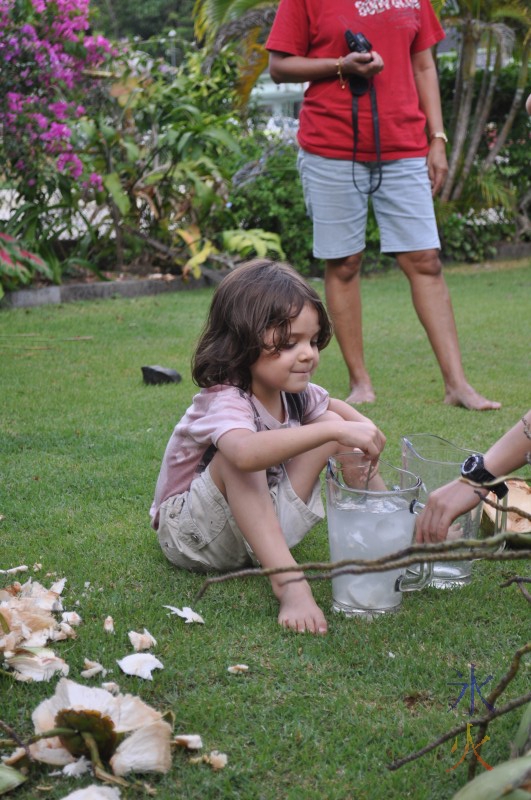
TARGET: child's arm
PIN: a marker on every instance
(346, 411)
(252, 451)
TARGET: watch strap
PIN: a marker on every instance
(480, 476)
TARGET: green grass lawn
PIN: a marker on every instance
(81, 441)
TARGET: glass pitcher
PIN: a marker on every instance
(437, 462)
(370, 515)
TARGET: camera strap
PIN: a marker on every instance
(358, 90)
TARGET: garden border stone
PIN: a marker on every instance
(139, 287)
(101, 290)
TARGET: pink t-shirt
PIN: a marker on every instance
(216, 411)
(396, 29)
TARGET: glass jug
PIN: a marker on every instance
(438, 462)
(370, 515)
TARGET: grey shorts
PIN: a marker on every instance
(198, 532)
(403, 205)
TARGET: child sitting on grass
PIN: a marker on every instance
(239, 482)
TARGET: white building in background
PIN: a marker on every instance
(280, 101)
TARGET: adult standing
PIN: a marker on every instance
(307, 44)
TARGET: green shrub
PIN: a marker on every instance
(474, 236)
(267, 193)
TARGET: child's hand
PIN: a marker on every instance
(363, 435)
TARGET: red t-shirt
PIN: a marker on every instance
(396, 29)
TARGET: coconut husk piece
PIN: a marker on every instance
(519, 497)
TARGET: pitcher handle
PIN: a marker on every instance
(411, 582)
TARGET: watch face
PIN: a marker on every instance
(470, 465)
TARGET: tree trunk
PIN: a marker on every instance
(515, 107)
(467, 71)
(483, 106)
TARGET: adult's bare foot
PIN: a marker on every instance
(361, 393)
(467, 397)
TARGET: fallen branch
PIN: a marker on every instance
(457, 550)
(482, 721)
(519, 580)
(516, 703)
(493, 696)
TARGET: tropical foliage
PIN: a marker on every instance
(133, 171)
(488, 30)
(143, 18)
(18, 266)
(496, 31)
(139, 158)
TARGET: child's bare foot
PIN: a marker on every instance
(467, 397)
(298, 610)
(361, 393)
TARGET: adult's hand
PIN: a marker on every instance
(437, 165)
(443, 506)
(365, 64)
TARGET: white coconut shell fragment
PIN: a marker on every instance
(92, 668)
(111, 686)
(94, 792)
(216, 760)
(519, 496)
(77, 768)
(187, 614)
(146, 750)
(237, 669)
(71, 618)
(13, 570)
(36, 664)
(140, 664)
(191, 741)
(142, 641)
(108, 625)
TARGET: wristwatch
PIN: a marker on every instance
(473, 469)
(439, 135)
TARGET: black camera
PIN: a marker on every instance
(358, 43)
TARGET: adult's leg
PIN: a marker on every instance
(433, 305)
(339, 215)
(248, 496)
(343, 298)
